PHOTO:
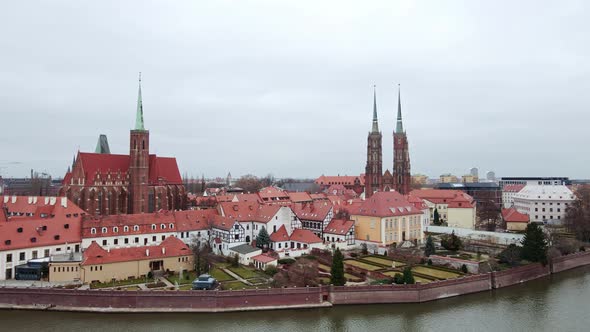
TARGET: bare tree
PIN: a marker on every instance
(577, 214)
(249, 183)
(488, 213)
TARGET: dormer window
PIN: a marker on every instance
(56, 237)
(93, 231)
(19, 230)
(7, 242)
(136, 228)
(115, 229)
(153, 227)
(171, 226)
(44, 227)
(33, 239)
(162, 226)
(104, 230)
(66, 226)
(126, 229)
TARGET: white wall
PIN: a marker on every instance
(57, 249)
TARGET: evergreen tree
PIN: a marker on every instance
(408, 276)
(436, 216)
(263, 239)
(452, 242)
(337, 274)
(429, 248)
(534, 244)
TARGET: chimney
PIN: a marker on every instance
(147, 252)
(108, 249)
(163, 251)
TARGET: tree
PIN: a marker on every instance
(249, 183)
(304, 272)
(268, 180)
(408, 276)
(398, 278)
(263, 239)
(436, 217)
(429, 249)
(534, 244)
(364, 249)
(342, 214)
(201, 252)
(510, 255)
(235, 262)
(337, 274)
(577, 215)
(451, 242)
(488, 213)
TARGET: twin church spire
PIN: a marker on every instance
(139, 115)
(399, 127)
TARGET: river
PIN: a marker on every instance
(555, 303)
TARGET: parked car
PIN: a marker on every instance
(205, 282)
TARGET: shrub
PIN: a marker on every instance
(429, 261)
(464, 268)
(422, 261)
(398, 278)
(286, 261)
(451, 242)
(353, 254)
(364, 249)
(408, 276)
(510, 255)
(235, 262)
(150, 275)
(582, 248)
(271, 270)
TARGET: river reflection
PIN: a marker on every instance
(555, 303)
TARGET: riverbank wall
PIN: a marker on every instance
(276, 298)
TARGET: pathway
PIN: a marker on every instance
(237, 277)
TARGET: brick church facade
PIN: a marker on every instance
(398, 180)
(140, 182)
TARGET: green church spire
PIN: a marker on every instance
(400, 127)
(375, 122)
(139, 115)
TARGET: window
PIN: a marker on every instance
(163, 237)
(162, 226)
(136, 240)
(21, 256)
(153, 227)
(116, 241)
(154, 238)
(104, 230)
(93, 231)
(125, 229)
(135, 228)
(104, 242)
(171, 226)
(66, 226)
(46, 253)
(8, 258)
(126, 241)
(115, 229)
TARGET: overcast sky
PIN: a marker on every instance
(285, 87)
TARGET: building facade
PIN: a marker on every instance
(544, 203)
(140, 182)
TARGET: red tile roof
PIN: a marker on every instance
(316, 211)
(344, 180)
(304, 236)
(249, 211)
(280, 235)
(40, 232)
(272, 193)
(36, 205)
(513, 188)
(162, 169)
(386, 204)
(297, 197)
(512, 215)
(264, 258)
(170, 247)
(339, 227)
(454, 198)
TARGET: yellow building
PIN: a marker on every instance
(469, 178)
(386, 218)
(448, 178)
(515, 221)
(103, 265)
(454, 207)
(419, 179)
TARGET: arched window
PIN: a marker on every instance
(115, 229)
(153, 227)
(104, 229)
(136, 228)
(93, 231)
(171, 226)
(162, 226)
(143, 145)
(125, 229)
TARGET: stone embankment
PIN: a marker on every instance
(281, 298)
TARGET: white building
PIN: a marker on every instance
(508, 193)
(544, 203)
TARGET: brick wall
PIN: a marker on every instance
(570, 261)
(519, 274)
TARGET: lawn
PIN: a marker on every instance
(258, 281)
(220, 275)
(440, 274)
(416, 278)
(383, 261)
(362, 265)
(352, 278)
(176, 278)
(117, 283)
(185, 287)
(244, 272)
(324, 268)
(235, 285)
(324, 280)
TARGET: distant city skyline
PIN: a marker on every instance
(278, 88)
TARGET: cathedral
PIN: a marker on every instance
(102, 183)
(375, 179)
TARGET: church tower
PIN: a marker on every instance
(373, 170)
(401, 154)
(139, 144)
